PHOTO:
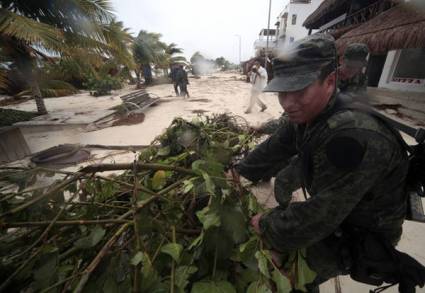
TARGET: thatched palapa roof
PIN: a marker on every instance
(400, 27)
(337, 33)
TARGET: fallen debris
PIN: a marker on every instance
(172, 222)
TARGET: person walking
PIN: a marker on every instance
(258, 80)
(173, 76)
(182, 81)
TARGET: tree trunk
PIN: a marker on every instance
(26, 65)
(36, 94)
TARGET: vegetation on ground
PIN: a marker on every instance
(11, 116)
(171, 222)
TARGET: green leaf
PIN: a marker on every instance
(304, 274)
(209, 184)
(188, 186)
(197, 241)
(234, 222)
(213, 287)
(95, 236)
(211, 167)
(150, 277)
(173, 249)
(209, 218)
(164, 151)
(137, 258)
(258, 287)
(47, 266)
(253, 205)
(262, 263)
(159, 180)
(182, 276)
(283, 284)
(247, 250)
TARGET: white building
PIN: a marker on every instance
(266, 39)
(290, 21)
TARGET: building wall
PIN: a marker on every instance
(302, 11)
(387, 81)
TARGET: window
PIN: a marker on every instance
(411, 66)
(294, 19)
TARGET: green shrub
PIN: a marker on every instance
(11, 116)
(99, 86)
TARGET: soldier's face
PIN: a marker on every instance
(305, 105)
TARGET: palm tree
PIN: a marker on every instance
(148, 49)
(34, 30)
(172, 50)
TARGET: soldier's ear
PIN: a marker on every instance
(330, 83)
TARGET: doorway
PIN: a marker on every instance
(374, 69)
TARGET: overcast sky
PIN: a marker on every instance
(208, 26)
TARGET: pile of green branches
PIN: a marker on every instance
(171, 222)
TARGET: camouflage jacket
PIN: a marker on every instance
(355, 85)
(352, 166)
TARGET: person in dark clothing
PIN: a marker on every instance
(182, 81)
(352, 80)
(350, 163)
(173, 76)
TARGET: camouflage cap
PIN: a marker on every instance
(299, 66)
(355, 55)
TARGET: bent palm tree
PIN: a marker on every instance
(30, 30)
(149, 49)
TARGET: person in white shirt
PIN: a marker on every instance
(258, 79)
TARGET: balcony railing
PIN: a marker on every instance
(362, 15)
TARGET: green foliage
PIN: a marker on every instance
(64, 29)
(223, 64)
(53, 88)
(213, 287)
(100, 86)
(173, 249)
(283, 284)
(187, 225)
(91, 240)
(10, 116)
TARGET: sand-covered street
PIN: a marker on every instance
(217, 93)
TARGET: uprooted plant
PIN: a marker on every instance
(170, 222)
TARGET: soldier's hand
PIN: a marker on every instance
(255, 223)
(233, 175)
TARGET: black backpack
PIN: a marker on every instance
(416, 153)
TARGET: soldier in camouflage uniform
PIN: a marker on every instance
(351, 164)
(351, 81)
(351, 78)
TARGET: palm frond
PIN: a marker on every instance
(176, 59)
(100, 10)
(53, 88)
(30, 31)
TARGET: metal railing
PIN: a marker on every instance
(363, 15)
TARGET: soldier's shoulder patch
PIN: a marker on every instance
(345, 152)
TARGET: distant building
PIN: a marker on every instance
(289, 25)
(394, 31)
(260, 45)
